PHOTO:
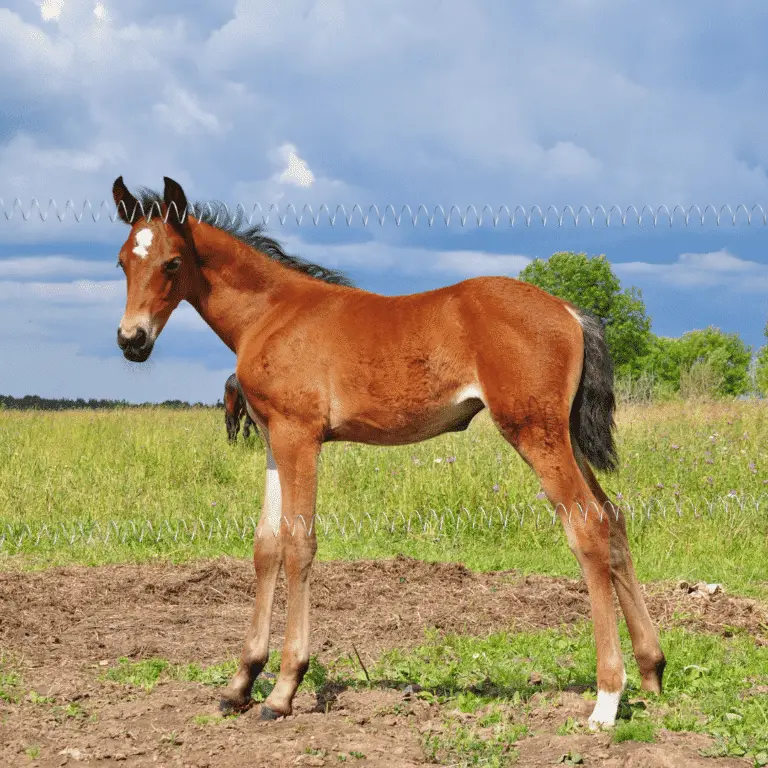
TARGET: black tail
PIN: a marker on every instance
(592, 412)
(231, 383)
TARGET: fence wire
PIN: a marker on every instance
(496, 216)
(730, 510)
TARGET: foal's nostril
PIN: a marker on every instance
(139, 339)
(122, 340)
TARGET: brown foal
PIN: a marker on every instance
(319, 360)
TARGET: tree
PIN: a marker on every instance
(590, 284)
(715, 359)
(726, 353)
(661, 361)
(761, 367)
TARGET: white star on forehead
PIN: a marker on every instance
(143, 241)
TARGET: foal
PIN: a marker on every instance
(234, 408)
(319, 360)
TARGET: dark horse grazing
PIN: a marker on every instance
(319, 361)
(234, 408)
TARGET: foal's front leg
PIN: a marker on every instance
(267, 559)
(296, 452)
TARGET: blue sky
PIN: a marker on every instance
(572, 102)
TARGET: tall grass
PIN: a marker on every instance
(78, 468)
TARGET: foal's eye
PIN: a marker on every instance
(120, 265)
(171, 266)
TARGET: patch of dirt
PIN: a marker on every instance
(60, 623)
(671, 750)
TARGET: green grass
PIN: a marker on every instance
(76, 472)
(10, 680)
(710, 688)
(488, 703)
(704, 467)
(147, 673)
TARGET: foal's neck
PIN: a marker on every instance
(237, 283)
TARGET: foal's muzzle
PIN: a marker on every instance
(137, 346)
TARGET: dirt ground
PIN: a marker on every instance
(64, 626)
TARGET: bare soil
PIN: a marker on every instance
(64, 626)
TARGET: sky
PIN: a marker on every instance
(437, 103)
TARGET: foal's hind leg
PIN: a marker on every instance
(543, 440)
(645, 643)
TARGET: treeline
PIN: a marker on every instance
(701, 363)
(37, 403)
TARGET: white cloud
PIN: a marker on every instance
(183, 112)
(476, 263)
(692, 270)
(296, 184)
(296, 172)
(50, 10)
(31, 267)
(77, 292)
(376, 256)
(29, 52)
(29, 166)
(569, 161)
(716, 261)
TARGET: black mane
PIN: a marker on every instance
(216, 214)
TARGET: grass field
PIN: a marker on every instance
(133, 486)
(692, 481)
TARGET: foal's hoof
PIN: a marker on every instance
(233, 707)
(596, 724)
(653, 681)
(267, 713)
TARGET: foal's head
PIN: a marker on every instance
(159, 262)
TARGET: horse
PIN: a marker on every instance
(234, 408)
(320, 360)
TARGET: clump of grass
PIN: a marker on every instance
(10, 680)
(634, 730)
(147, 673)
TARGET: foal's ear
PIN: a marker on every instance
(128, 208)
(175, 203)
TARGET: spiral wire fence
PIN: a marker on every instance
(496, 216)
(435, 523)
